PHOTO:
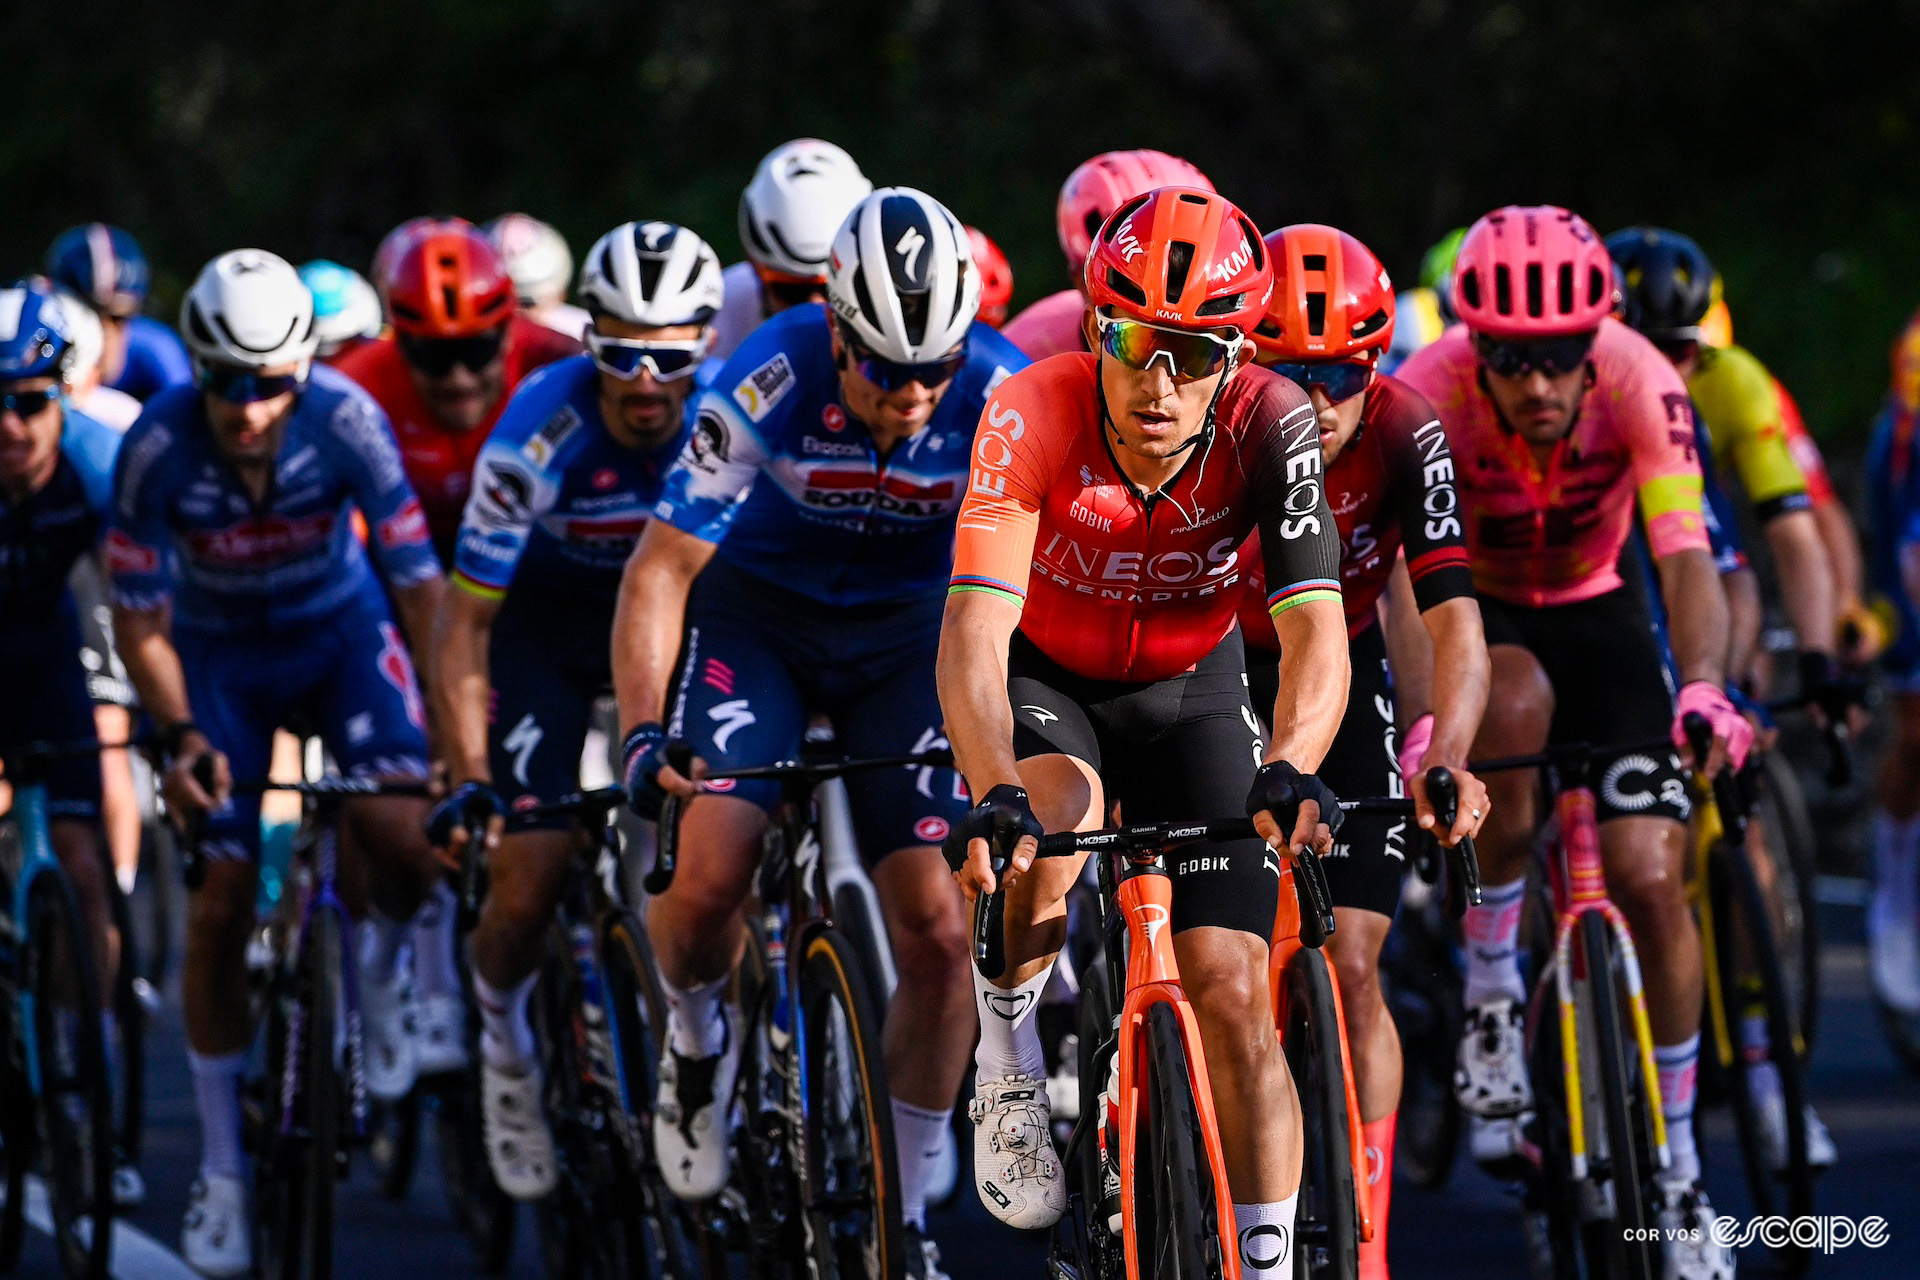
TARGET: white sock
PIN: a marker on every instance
(698, 1028)
(1896, 872)
(1009, 1037)
(1492, 931)
(381, 938)
(1266, 1235)
(216, 1094)
(436, 970)
(1678, 1066)
(506, 1037)
(916, 1139)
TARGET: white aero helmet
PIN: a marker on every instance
(798, 198)
(87, 339)
(250, 309)
(537, 258)
(902, 276)
(652, 273)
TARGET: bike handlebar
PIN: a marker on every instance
(1833, 731)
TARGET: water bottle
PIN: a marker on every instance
(1108, 1133)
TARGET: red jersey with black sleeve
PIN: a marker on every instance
(1117, 584)
(1392, 484)
(439, 462)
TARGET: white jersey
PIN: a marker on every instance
(562, 317)
(741, 312)
(115, 408)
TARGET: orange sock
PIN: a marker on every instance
(1378, 1136)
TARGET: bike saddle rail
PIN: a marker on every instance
(797, 778)
(1146, 842)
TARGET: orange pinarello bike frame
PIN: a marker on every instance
(1143, 899)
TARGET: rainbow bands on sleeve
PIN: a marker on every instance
(992, 586)
(1298, 593)
(478, 588)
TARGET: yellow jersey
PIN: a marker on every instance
(1739, 403)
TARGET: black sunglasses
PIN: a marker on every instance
(436, 357)
(890, 375)
(1551, 356)
(28, 404)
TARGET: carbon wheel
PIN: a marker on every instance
(1327, 1231)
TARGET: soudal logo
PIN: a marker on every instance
(406, 527)
(893, 495)
(261, 542)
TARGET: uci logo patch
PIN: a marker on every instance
(760, 390)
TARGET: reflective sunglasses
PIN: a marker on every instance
(1677, 348)
(236, 385)
(891, 375)
(1551, 356)
(435, 357)
(1188, 355)
(1339, 379)
(28, 404)
(666, 361)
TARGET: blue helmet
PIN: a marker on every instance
(345, 306)
(34, 336)
(103, 264)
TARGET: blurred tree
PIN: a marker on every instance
(1781, 135)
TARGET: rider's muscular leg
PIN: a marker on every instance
(77, 845)
(696, 925)
(1900, 768)
(1224, 972)
(930, 1025)
(1373, 1040)
(1519, 715)
(525, 877)
(385, 839)
(220, 915)
(1645, 861)
(1066, 796)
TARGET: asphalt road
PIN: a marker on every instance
(1469, 1228)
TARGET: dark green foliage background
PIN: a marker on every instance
(1781, 133)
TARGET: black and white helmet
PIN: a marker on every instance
(902, 276)
(652, 273)
(249, 308)
(798, 198)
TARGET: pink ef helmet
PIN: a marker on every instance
(1093, 191)
(1532, 271)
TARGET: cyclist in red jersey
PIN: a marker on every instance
(1389, 479)
(996, 277)
(1089, 653)
(1091, 192)
(1561, 418)
(458, 349)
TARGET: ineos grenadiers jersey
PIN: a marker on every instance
(791, 487)
(557, 502)
(42, 536)
(184, 528)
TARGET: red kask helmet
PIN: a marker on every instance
(1532, 271)
(1183, 258)
(1332, 299)
(996, 277)
(449, 282)
(1093, 191)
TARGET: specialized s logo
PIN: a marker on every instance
(520, 743)
(731, 717)
(908, 246)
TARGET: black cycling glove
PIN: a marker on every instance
(1279, 788)
(644, 754)
(471, 805)
(1000, 819)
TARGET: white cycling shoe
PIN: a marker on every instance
(1771, 1109)
(387, 1034)
(440, 1035)
(1893, 950)
(1490, 1074)
(1686, 1225)
(217, 1238)
(519, 1143)
(690, 1124)
(1015, 1167)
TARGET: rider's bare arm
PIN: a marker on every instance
(418, 607)
(1744, 617)
(972, 679)
(1409, 648)
(463, 634)
(649, 618)
(1461, 677)
(1697, 614)
(1314, 673)
(145, 640)
(1805, 573)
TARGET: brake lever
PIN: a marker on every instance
(193, 865)
(989, 909)
(1463, 862)
(666, 852)
(1316, 899)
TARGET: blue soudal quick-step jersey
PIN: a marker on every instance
(43, 534)
(790, 485)
(1893, 502)
(186, 529)
(557, 503)
(156, 359)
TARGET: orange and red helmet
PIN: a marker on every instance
(1332, 299)
(1181, 258)
(447, 281)
(996, 277)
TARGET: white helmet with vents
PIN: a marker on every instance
(798, 198)
(902, 276)
(652, 273)
(249, 308)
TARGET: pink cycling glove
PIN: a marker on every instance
(1710, 700)
(1413, 747)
